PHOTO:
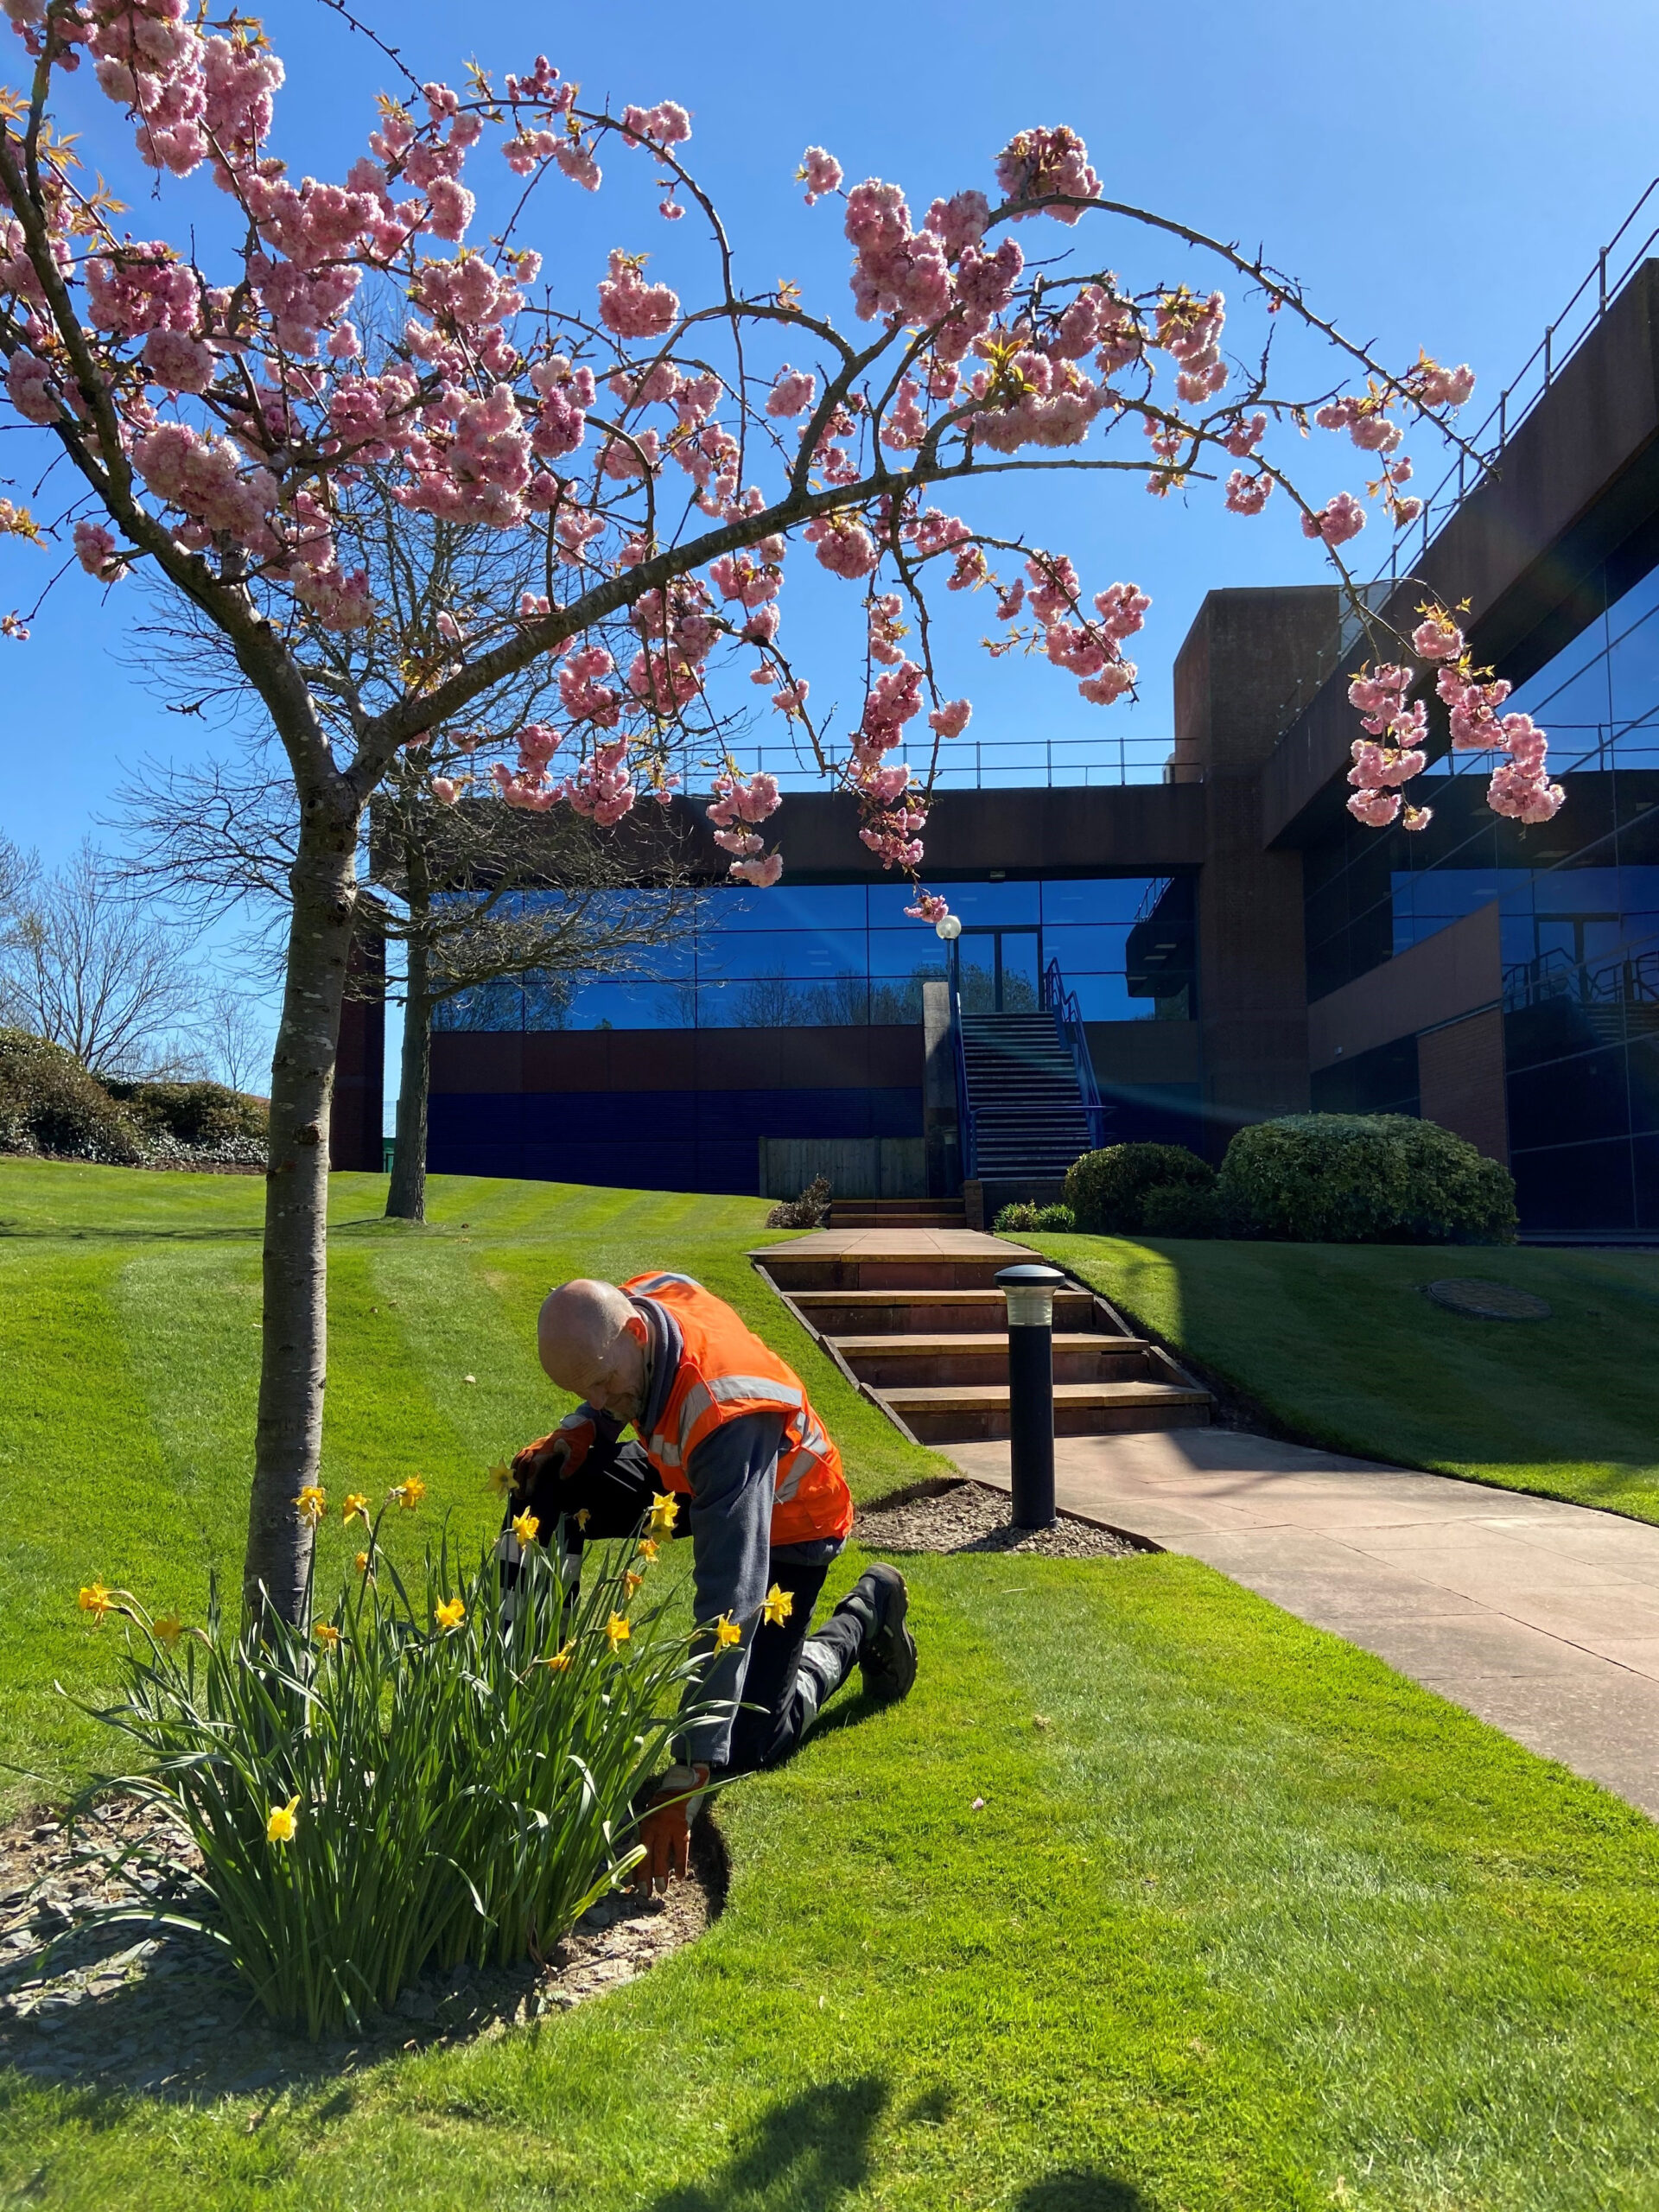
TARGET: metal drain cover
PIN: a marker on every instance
(1487, 1301)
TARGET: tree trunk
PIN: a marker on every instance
(293, 1368)
(406, 1199)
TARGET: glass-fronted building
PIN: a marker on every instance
(1233, 945)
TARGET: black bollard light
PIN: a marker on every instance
(1029, 1290)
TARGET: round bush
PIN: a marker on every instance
(50, 1103)
(1185, 1210)
(198, 1115)
(1024, 1217)
(1366, 1179)
(1107, 1189)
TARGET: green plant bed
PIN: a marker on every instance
(1339, 1344)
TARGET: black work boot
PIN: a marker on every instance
(887, 1649)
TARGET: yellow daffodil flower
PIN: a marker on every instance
(526, 1527)
(362, 1562)
(94, 1599)
(725, 1632)
(617, 1630)
(583, 1517)
(501, 1478)
(167, 1628)
(779, 1604)
(284, 1819)
(327, 1635)
(631, 1582)
(313, 1504)
(449, 1612)
(561, 1659)
(356, 1508)
(647, 1549)
(664, 1512)
(409, 1494)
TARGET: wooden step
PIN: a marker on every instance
(900, 1272)
(906, 1361)
(965, 1414)
(915, 1313)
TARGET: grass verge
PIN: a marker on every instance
(1150, 1899)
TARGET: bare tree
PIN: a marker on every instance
(91, 969)
(235, 1044)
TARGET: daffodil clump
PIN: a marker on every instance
(410, 1776)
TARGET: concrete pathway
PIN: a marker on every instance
(1540, 1617)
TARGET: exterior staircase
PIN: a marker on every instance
(897, 1213)
(916, 1322)
(1024, 1094)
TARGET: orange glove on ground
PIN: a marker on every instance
(665, 1831)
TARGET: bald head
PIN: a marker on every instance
(593, 1342)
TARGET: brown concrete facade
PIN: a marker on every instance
(1240, 658)
(1461, 1081)
(1456, 972)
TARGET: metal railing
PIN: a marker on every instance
(1063, 1004)
(988, 763)
(966, 1136)
(1631, 979)
(1612, 269)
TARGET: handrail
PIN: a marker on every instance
(966, 1138)
(1063, 1005)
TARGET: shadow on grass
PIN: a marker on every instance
(813, 2150)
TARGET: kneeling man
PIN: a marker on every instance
(721, 1421)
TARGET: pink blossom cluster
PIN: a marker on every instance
(1248, 495)
(1340, 518)
(739, 802)
(1035, 164)
(629, 307)
(793, 392)
(820, 173)
(1189, 329)
(930, 906)
(95, 550)
(602, 787)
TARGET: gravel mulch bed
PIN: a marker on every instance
(973, 1517)
(164, 2013)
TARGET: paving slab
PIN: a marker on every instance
(1540, 1616)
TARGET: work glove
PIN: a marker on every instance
(665, 1831)
(559, 1453)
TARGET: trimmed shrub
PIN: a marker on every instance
(1022, 1215)
(1187, 1209)
(49, 1103)
(199, 1116)
(810, 1211)
(1366, 1179)
(1107, 1189)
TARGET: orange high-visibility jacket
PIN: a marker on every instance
(725, 1373)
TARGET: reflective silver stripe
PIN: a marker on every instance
(756, 1386)
(575, 1419)
(695, 1403)
(643, 1289)
(793, 1473)
(660, 1448)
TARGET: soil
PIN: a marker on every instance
(135, 2005)
(973, 1517)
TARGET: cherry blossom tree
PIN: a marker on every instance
(230, 427)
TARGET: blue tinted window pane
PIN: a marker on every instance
(1099, 899)
(488, 1006)
(1106, 998)
(625, 1005)
(1092, 951)
(802, 954)
(785, 906)
(975, 902)
(907, 952)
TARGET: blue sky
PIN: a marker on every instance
(1441, 176)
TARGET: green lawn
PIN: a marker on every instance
(1244, 1920)
(1340, 1345)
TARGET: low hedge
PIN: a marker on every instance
(1365, 1179)
(50, 1103)
(1107, 1190)
(1023, 1216)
